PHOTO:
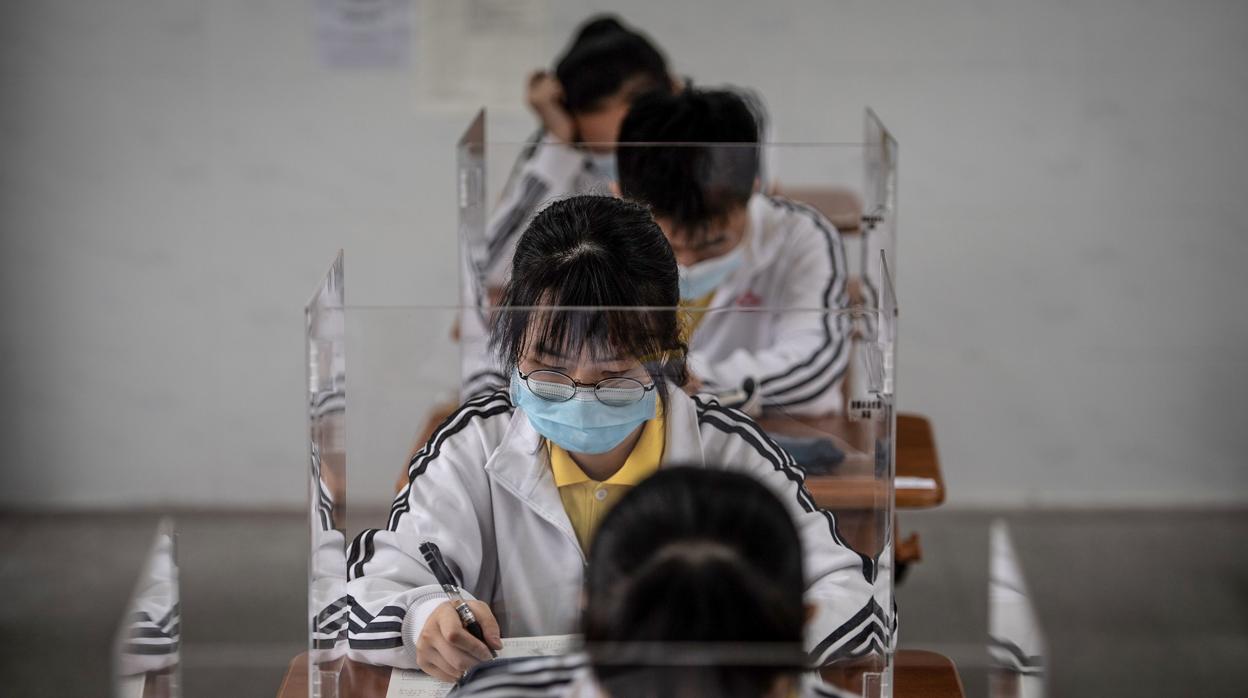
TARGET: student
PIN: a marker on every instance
(693, 558)
(737, 248)
(513, 483)
(580, 106)
(582, 103)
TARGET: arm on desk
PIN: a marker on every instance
(848, 621)
(391, 590)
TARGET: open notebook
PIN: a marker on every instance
(408, 683)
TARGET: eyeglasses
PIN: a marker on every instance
(556, 386)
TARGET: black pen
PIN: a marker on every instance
(433, 556)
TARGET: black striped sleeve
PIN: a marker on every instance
(330, 623)
(324, 498)
(478, 408)
(363, 547)
(483, 382)
(530, 149)
(375, 632)
(538, 677)
(147, 636)
(735, 422)
(810, 377)
(865, 633)
(532, 191)
(869, 629)
(1008, 655)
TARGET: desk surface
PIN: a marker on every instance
(916, 457)
(916, 674)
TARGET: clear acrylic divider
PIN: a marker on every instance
(826, 211)
(469, 469)
(797, 388)
(879, 221)
(851, 186)
(1016, 641)
(328, 603)
(147, 647)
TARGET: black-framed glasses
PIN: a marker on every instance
(556, 386)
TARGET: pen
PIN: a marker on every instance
(433, 556)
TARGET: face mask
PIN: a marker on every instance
(697, 280)
(582, 424)
(604, 164)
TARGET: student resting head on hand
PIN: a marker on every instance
(605, 67)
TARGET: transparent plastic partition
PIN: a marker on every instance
(502, 185)
(328, 603)
(1016, 641)
(147, 647)
(477, 477)
(821, 212)
(878, 237)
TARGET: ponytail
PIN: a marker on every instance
(695, 588)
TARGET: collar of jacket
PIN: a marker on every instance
(523, 467)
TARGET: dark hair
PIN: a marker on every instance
(591, 251)
(605, 57)
(694, 555)
(694, 185)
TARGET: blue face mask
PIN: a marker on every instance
(582, 424)
(698, 280)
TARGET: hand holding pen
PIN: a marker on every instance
(459, 634)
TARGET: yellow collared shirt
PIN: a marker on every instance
(691, 316)
(586, 501)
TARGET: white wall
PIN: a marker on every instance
(177, 175)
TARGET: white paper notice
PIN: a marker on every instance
(407, 683)
(356, 34)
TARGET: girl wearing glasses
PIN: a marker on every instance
(513, 484)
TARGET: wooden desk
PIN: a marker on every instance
(855, 495)
(923, 674)
(916, 457)
(916, 674)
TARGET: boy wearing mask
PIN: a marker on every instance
(737, 248)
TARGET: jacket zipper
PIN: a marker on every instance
(548, 519)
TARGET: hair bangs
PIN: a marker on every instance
(593, 278)
(600, 335)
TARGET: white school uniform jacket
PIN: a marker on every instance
(794, 258)
(153, 627)
(546, 171)
(571, 677)
(482, 490)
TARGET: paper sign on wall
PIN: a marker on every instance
(364, 34)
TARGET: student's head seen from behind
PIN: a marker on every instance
(578, 254)
(698, 194)
(703, 562)
(605, 67)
